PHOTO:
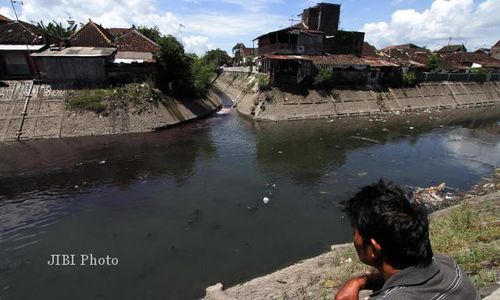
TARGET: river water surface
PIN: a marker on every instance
(182, 209)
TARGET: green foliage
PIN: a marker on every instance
(262, 82)
(480, 71)
(201, 76)
(57, 29)
(217, 57)
(324, 78)
(87, 100)
(433, 62)
(175, 68)
(409, 79)
(248, 61)
(468, 233)
(153, 33)
(237, 47)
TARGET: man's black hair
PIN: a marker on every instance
(386, 213)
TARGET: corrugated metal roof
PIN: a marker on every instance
(77, 52)
(21, 47)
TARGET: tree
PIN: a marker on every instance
(237, 47)
(57, 29)
(433, 62)
(217, 57)
(174, 65)
(152, 33)
(201, 76)
(182, 74)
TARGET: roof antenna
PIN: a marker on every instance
(14, 8)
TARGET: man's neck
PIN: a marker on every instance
(387, 270)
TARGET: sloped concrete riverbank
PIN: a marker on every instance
(289, 103)
(47, 114)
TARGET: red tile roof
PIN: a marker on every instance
(4, 19)
(369, 50)
(464, 60)
(452, 49)
(336, 60)
(378, 62)
(407, 55)
(244, 51)
(134, 41)
(92, 35)
(117, 32)
(22, 33)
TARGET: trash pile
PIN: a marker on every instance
(435, 197)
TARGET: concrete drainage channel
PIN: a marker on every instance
(29, 110)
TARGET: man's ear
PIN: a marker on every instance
(377, 249)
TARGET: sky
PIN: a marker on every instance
(202, 25)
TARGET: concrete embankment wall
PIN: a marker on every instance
(48, 117)
(279, 104)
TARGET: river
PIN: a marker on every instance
(183, 209)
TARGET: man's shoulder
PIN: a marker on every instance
(442, 279)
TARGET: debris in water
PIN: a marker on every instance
(102, 162)
(411, 128)
(224, 111)
(385, 130)
(266, 200)
(280, 152)
(362, 174)
(365, 139)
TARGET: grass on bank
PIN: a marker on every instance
(469, 233)
(100, 100)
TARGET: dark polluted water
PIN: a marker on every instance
(183, 209)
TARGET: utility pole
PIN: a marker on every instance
(292, 20)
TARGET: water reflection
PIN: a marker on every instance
(182, 209)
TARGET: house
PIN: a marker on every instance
(133, 46)
(18, 40)
(408, 56)
(4, 20)
(316, 34)
(243, 55)
(117, 32)
(464, 62)
(96, 55)
(495, 50)
(484, 51)
(452, 49)
(92, 35)
(80, 66)
(369, 50)
(84, 62)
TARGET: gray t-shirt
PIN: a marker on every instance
(442, 279)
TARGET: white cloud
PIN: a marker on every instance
(197, 44)
(196, 30)
(476, 25)
(5, 11)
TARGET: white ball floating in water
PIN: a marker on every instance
(266, 200)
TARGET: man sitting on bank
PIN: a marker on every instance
(391, 234)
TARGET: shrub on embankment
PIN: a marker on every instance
(186, 75)
(105, 100)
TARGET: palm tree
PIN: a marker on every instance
(57, 29)
(238, 46)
